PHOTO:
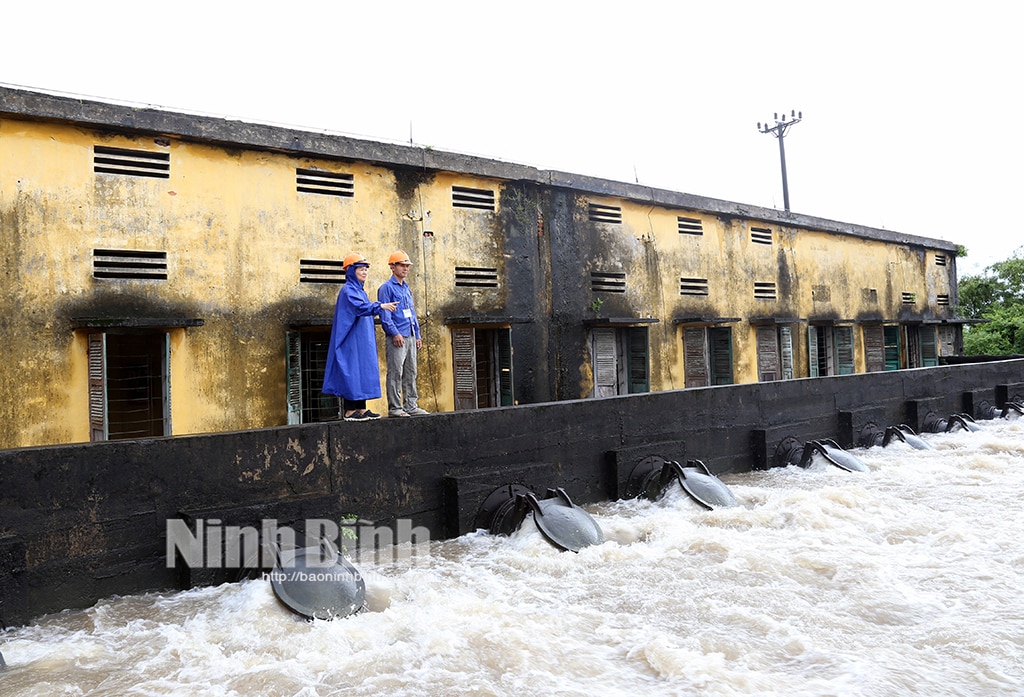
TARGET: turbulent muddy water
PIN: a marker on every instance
(907, 580)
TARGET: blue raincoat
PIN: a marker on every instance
(353, 370)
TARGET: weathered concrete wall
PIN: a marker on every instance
(81, 522)
(238, 237)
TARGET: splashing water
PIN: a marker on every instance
(905, 580)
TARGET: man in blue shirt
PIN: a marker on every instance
(403, 339)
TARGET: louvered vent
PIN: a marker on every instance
(693, 286)
(604, 214)
(909, 298)
(690, 226)
(315, 181)
(475, 277)
(760, 235)
(129, 263)
(321, 271)
(941, 259)
(479, 199)
(765, 291)
(607, 282)
(136, 163)
(942, 299)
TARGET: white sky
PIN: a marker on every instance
(909, 107)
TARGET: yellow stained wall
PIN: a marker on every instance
(234, 230)
(818, 276)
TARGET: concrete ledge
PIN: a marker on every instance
(88, 520)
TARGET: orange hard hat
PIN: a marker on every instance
(398, 257)
(354, 258)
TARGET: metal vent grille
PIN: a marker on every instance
(598, 213)
(909, 298)
(479, 199)
(136, 163)
(765, 291)
(475, 277)
(760, 235)
(942, 299)
(315, 181)
(941, 259)
(607, 282)
(693, 286)
(690, 226)
(321, 271)
(129, 263)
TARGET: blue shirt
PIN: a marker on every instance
(353, 370)
(403, 320)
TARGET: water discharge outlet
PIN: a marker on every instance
(318, 582)
(562, 523)
(653, 475)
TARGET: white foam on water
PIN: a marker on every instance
(905, 580)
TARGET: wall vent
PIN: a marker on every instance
(129, 263)
(690, 226)
(136, 163)
(941, 259)
(475, 277)
(760, 235)
(479, 199)
(942, 299)
(316, 181)
(765, 291)
(693, 286)
(607, 282)
(321, 271)
(909, 298)
(598, 213)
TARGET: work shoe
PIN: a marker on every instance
(357, 416)
(416, 411)
(370, 415)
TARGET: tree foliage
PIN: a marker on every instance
(997, 296)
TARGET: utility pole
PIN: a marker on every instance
(779, 131)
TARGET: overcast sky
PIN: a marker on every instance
(910, 108)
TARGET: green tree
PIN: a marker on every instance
(997, 296)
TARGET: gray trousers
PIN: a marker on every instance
(401, 379)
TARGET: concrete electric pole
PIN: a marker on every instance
(779, 131)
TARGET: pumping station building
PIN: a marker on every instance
(171, 274)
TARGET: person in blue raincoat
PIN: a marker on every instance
(353, 371)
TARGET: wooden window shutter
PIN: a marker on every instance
(637, 360)
(97, 387)
(695, 359)
(844, 351)
(913, 347)
(874, 348)
(293, 372)
(892, 347)
(947, 340)
(812, 352)
(606, 372)
(464, 356)
(786, 343)
(720, 346)
(929, 347)
(767, 354)
(503, 339)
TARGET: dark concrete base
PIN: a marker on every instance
(85, 521)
